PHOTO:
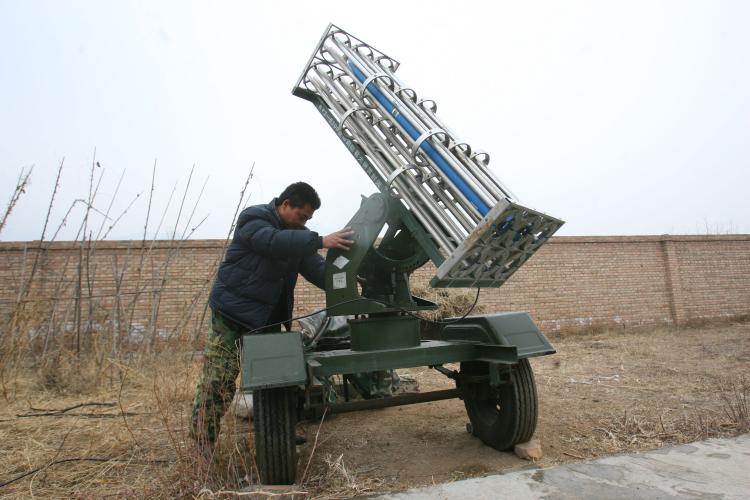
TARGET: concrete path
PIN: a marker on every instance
(716, 468)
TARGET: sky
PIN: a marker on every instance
(621, 118)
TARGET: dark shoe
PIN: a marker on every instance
(298, 440)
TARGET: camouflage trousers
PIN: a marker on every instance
(217, 384)
(376, 384)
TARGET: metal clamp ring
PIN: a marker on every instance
(359, 46)
(392, 64)
(377, 76)
(313, 69)
(309, 85)
(329, 71)
(411, 94)
(349, 113)
(423, 104)
(400, 170)
(323, 52)
(425, 135)
(332, 35)
(462, 147)
(340, 76)
(385, 120)
(485, 157)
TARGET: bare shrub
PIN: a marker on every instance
(78, 328)
(735, 396)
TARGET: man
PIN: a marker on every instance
(254, 289)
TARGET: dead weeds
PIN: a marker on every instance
(120, 428)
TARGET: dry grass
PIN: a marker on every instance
(122, 437)
(452, 303)
(127, 437)
(650, 388)
(601, 394)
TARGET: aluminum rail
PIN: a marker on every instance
(429, 217)
(462, 202)
(327, 86)
(479, 234)
(431, 128)
(395, 151)
(410, 125)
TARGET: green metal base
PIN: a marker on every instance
(427, 353)
(394, 332)
(392, 342)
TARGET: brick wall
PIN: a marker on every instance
(571, 283)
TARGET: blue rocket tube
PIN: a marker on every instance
(425, 146)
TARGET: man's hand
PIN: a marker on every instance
(340, 239)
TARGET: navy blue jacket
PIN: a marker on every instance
(261, 265)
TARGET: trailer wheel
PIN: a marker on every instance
(503, 416)
(275, 416)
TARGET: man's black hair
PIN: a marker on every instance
(299, 194)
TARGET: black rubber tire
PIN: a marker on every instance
(274, 419)
(505, 416)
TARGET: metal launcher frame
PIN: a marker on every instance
(479, 234)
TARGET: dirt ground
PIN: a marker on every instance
(600, 394)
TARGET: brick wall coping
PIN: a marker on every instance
(217, 243)
(113, 244)
(650, 238)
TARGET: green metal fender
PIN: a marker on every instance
(272, 360)
(507, 329)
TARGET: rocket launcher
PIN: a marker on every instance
(477, 233)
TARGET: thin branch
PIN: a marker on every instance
(21, 183)
(27, 285)
(173, 251)
(111, 202)
(64, 220)
(163, 216)
(85, 415)
(64, 410)
(114, 223)
(150, 199)
(138, 290)
(85, 459)
(182, 202)
(215, 266)
(315, 444)
(192, 213)
(52, 198)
